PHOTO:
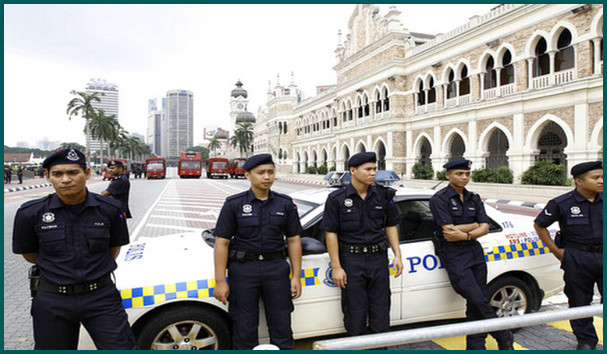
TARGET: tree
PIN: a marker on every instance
(118, 142)
(72, 145)
(83, 105)
(104, 128)
(243, 137)
(214, 144)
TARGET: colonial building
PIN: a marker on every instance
(521, 83)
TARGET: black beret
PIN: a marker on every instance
(584, 167)
(361, 158)
(64, 156)
(459, 164)
(256, 160)
(115, 163)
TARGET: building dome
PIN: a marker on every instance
(221, 134)
(239, 91)
(245, 117)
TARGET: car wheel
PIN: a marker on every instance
(185, 328)
(510, 296)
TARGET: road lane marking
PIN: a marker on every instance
(142, 223)
(171, 227)
(181, 218)
(566, 326)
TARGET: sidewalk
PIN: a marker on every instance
(36, 182)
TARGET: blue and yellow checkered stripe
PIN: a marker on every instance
(516, 251)
(196, 289)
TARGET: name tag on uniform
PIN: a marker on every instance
(379, 207)
(471, 208)
(280, 213)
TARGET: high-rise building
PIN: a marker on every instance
(156, 132)
(108, 102)
(179, 122)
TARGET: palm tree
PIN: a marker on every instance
(243, 137)
(83, 105)
(118, 141)
(214, 144)
(104, 128)
(72, 145)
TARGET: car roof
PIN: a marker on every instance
(319, 196)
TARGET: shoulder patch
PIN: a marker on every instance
(35, 202)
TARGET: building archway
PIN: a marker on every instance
(457, 148)
(497, 148)
(424, 152)
(551, 144)
(346, 157)
(380, 150)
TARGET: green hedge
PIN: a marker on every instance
(440, 175)
(322, 170)
(423, 171)
(546, 173)
(489, 175)
(312, 170)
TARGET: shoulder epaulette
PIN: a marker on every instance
(281, 195)
(238, 195)
(563, 197)
(337, 192)
(111, 201)
(35, 202)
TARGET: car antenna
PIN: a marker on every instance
(436, 185)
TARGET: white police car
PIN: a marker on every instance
(166, 283)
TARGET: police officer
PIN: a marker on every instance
(119, 187)
(580, 217)
(250, 243)
(357, 219)
(460, 220)
(73, 236)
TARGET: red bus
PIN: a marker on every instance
(155, 167)
(217, 167)
(108, 175)
(190, 165)
(236, 167)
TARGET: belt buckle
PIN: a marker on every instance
(62, 289)
(78, 288)
(260, 257)
(92, 286)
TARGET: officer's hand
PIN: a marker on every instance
(221, 292)
(339, 277)
(295, 288)
(398, 265)
(452, 234)
(559, 253)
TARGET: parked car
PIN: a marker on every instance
(341, 178)
(167, 282)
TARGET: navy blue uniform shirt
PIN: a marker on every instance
(258, 226)
(73, 245)
(580, 220)
(119, 188)
(358, 221)
(448, 208)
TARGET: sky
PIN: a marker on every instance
(50, 50)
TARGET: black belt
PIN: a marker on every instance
(587, 248)
(75, 288)
(244, 256)
(362, 249)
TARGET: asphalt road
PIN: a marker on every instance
(172, 205)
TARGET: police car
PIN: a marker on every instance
(167, 283)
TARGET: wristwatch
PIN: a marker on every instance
(469, 236)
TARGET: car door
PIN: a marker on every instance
(427, 292)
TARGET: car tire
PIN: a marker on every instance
(186, 327)
(510, 296)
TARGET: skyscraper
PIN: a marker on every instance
(179, 122)
(108, 96)
(156, 132)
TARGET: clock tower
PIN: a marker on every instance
(238, 102)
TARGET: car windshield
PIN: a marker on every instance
(304, 207)
(218, 165)
(155, 167)
(384, 177)
(240, 163)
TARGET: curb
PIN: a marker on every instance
(302, 181)
(16, 189)
(539, 206)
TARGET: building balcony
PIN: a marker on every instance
(557, 78)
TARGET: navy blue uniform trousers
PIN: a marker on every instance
(467, 270)
(367, 293)
(582, 270)
(248, 282)
(57, 319)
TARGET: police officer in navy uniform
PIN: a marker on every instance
(73, 236)
(250, 243)
(119, 187)
(580, 217)
(357, 219)
(460, 220)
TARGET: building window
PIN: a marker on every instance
(541, 62)
(507, 73)
(378, 103)
(421, 96)
(451, 90)
(490, 74)
(366, 106)
(464, 85)
(387, 100)
(564, 57)
(432, 92)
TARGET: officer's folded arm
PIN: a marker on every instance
(220, 253)
(31, 257)
(454, 233)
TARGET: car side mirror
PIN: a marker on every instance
(311, 245)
